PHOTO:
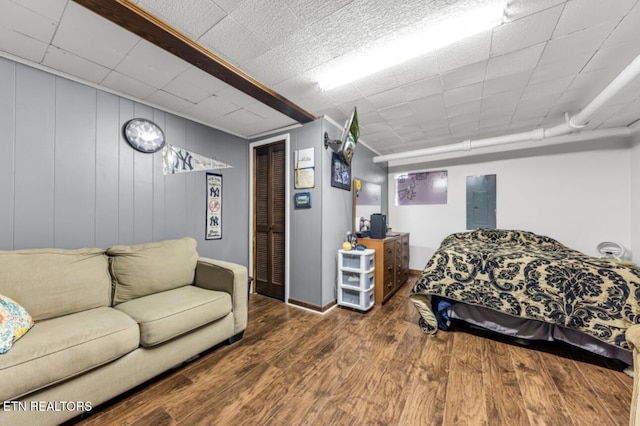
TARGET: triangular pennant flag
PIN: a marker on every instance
(180, 160)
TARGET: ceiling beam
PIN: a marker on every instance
(140, 22)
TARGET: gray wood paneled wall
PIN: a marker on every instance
(68, 179)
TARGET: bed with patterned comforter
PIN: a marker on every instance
(532, 277)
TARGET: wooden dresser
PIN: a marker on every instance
(392, 264)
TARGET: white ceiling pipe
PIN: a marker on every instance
(576, 122)
(609, 134)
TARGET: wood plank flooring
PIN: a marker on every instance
(295, 367)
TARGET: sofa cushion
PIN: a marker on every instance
(142, 269)
(168, 314)
(15, 321)
(63, 347)
(54, 282)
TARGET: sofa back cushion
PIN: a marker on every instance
(50, 283)
(142, 269)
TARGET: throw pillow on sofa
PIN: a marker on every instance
(15, 321)
(142, 269)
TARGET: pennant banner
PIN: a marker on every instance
(180, 160)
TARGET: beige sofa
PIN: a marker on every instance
(109, 320)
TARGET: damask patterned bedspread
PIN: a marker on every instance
(531, 276)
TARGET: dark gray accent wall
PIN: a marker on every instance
(306, 233)
(68, 179)
(317, 233)
(337, 207)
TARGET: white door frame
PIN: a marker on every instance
(287, 209)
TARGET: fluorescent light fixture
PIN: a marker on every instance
(356, 65)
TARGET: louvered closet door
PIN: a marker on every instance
(269, 219)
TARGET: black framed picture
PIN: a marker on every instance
(302, 200)
(214, 207)
(340, 173)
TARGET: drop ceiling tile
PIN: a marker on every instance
(493, 130)
(243, 116)
(506, 83)
(438, 132)
(508, 99)
(377, 127)
(310, 11)
(464, 52)
(548, 90)
(524, 125)
(578, 43)
(463, 129)
(581, 14)
(626, 31)
(421, 89)
(265, 19)
(26, 22)
(236, 97)
(378, 82)
(395, 112)
(51, 9)
(147, 62)
(215, 105)
(416, 69)
(431, 107)
(525, 32)
(169, 101)
(570, 67)
(126, 85)
(517, 9)
(466, 121)
(344, 94)
(492, 122)
(76, 66)
(269, 68)
(192, 17)
(385, 99)
(261, 110)
(625, 117)
(296, 49)
(183, 88)
(22, 46)
(228, 5)
(231, 40)
(616, 57)
(515, 62)
(530, 111)
(83, 33)
(466, 109)
(402, 125)
(591, 83)
(194, 79)
(463, 94)
(313, 102)
(464, 76)
(364, 107)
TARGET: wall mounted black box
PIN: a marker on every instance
(378, 226)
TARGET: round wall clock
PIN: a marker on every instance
(144, 135)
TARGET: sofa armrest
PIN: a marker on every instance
(633, 338)
(213, 274)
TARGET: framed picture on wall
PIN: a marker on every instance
(340, 173)
(214, 207)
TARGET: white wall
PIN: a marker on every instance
(635, 196)
(579, 198)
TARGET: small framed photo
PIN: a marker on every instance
(340, 173)
(302, 200)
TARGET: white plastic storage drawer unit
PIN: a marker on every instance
(356, 279)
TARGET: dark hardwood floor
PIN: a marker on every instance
(295, 367)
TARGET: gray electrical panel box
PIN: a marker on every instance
(481, 201)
